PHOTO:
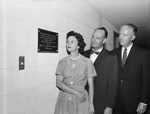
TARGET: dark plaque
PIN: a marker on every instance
(47, 41)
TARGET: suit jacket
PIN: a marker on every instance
(133, 80)
(105, 83)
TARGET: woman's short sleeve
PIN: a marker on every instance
(90, 69)
(59, 68)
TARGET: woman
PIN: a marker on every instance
(72, 74)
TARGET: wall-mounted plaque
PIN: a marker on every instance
(47, 41)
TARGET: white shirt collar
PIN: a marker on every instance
(94, 56)
(99, 50)
(128, 49)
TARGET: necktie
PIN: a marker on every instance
(96, 52)
(124, 57)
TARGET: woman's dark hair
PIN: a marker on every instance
(80, 40)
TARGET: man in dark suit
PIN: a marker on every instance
(133, 73)
(105, 83)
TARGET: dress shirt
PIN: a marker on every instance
(128, 50)
(94, 56)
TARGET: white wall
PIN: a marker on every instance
(33, 90)
(110, 28)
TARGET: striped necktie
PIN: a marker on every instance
(124, 57)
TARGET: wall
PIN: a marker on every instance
(110, 28)
(33, 91)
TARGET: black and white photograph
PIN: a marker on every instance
(75, 57)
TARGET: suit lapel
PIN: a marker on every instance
(131, 54)
(119, 58)
(100, 56)
(88, 53)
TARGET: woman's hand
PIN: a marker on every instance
(81, 96)
(91, 108)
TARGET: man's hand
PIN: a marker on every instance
(108, 110)
(141, 108)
